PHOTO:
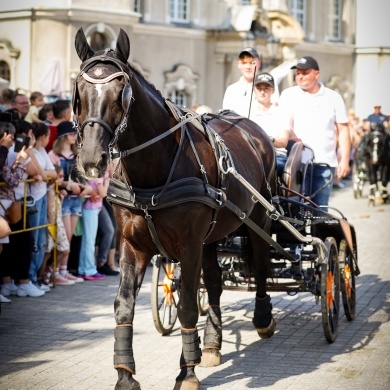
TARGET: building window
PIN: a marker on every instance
(180, 98)
(180, 11)
(335, 20)
(138, 6)
(181, 85)
(4, 71)
(298, 10)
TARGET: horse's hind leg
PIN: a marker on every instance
(212, 277)
(262, 317)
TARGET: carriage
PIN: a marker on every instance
(296, 264)
(202, 193)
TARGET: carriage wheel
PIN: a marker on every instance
(203, 298)
(330, 291)
(347, 279)
(165, 294)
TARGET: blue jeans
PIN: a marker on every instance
(89, 220)
(281, 159)
(39, 236)
(321, 175)
(106, 233)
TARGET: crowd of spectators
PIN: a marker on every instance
(44, 177)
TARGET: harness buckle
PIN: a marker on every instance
(144, 208)
(273, 215)
(220, 196)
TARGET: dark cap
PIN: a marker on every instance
(306, 62)
(250, 51)
(265, 78)
(23, 126)
(65, 128)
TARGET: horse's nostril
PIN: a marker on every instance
(102, 163)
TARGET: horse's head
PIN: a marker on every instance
(374, 141)
(102, 96)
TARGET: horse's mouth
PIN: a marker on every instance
(91, 171)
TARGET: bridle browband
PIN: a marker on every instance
(127, 97)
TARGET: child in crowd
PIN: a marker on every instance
(64, 154)
(90, 217)
(62, 276)
(37, 102)
(39, 194)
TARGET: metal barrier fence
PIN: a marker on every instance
(51, 227)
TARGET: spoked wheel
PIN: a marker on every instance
(203, 298)
(347, 279)
(330, 291)
(165, 294)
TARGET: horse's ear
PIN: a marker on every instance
(83, 49)
(122, 50)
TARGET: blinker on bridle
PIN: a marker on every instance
(127, 98)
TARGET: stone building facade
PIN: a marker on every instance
(188, 48)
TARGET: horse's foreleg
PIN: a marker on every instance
(130, 282)
(212, 277)
(262, 317)
(385, 180)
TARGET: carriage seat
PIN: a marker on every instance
(299, 158)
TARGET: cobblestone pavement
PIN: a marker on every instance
(64, 340)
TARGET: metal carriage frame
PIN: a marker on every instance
(312, 250)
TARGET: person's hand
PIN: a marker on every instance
(342, 170)
(38, 178)
(85, 190)
(32, 138)
(22, 155)
(7, 140)
(75, 188)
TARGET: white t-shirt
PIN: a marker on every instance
(269, 121)
(313, 117)
(238, 97)
(39, 189)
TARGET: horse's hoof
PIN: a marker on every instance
(210, 358)
(188, 384)
(266, 333)
(126, 381)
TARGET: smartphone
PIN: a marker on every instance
(20, 141)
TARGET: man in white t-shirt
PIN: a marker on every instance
(238, 96)
(317, 116)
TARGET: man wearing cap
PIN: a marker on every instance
(238, 95)
(317, 116)
(265, 114)
(378, 117)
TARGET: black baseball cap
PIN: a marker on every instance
(249, 51)
(306, 62)
(265, 78)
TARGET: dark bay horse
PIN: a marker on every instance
(376, 151)
(172, 194)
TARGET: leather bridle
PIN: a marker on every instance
(127, 97)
